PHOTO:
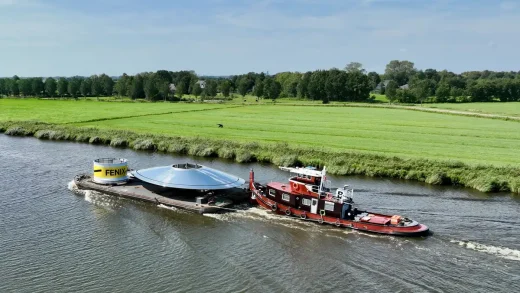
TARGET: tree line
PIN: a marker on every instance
(401, 82)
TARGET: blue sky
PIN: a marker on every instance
(221, 37)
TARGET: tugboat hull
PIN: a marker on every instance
(415, 229)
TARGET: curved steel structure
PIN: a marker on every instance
(188, 176)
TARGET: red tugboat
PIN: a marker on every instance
(308, 196)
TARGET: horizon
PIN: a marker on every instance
(224, 37)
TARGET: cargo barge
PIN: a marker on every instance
(191, 187)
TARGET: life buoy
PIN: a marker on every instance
(338, 223)
(295, 185)
(320, 220)
(288, 211)
(274, 207)
(303, 216)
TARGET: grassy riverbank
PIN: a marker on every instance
(436, 148)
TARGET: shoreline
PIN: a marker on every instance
(484, 178)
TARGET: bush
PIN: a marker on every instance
(243, 156)
(16, 131)
(118, 142)
(51, 134)
(95, 140)
(82, 138)
(144, 145)
(177, 147)
(226, 153)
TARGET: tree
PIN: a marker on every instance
(96, 86)
(164, 88)
(399, 71)
(13, 86)
(74, 86)
(107, 85)
(85, 86)
(25, 87)
(272, 88)
(303, 85)
(358, 86)
(137, 87)
(3, 86)
(62, 86)
(316, 86)
(122, 85)
(421, 89)
(211, 88)
(179, 89)
(336, 85)
(443, 92)
(50, 86)
(243, 86)
(225, 88)
(354, 67)
(197, 90)
(150, 87)
(391, 91)
(374, 79)
(259, 87)
(37, 86)
(405, 96)
(456, 92)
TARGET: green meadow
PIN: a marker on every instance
(505, 109)
(433, 147)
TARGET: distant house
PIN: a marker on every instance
(405, 87)
(382, 84)
(201, 83)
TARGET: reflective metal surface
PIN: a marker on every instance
(188, 176)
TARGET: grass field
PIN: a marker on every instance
(506, 109)
(354, 140)
(66, 111)
(390, 132)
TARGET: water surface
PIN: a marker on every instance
(53, 240)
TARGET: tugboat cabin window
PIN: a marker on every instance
(286, 197)
(329, 206)
(272, 192)
(306, 202)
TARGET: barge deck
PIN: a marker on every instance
(142, 191)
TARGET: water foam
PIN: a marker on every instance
(498, 251)
(167, 207)
(91, 196)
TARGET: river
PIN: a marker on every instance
(54, 240)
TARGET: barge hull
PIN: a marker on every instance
(138, 191)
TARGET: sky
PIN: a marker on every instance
(225, 37)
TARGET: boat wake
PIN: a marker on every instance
(502, 252)
(93, 197)
(259, 214)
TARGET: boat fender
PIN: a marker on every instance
(322, 213)
(338, 223)
(320, 220)
(303, 216)
(288, 211)
(274, 207)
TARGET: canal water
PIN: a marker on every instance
(54, 240)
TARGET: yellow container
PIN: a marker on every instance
(110, 171)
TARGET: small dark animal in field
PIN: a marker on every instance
(257, 100)
(245, 100)
(220, 125)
